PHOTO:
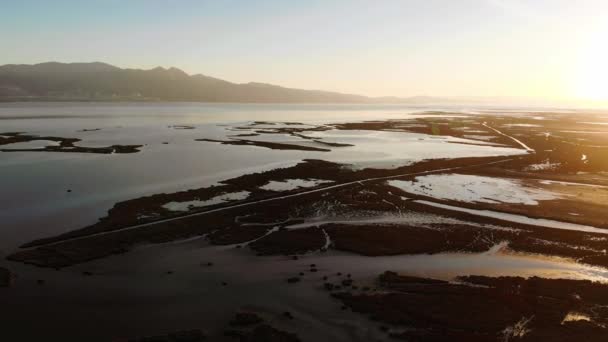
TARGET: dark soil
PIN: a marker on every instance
(246, 318)
(178, 336)
(65, 145)
(235, 235)
(486, 309)
(266, 333)
(266, 144)
(5, 277)
(287, 242)
(240, 225)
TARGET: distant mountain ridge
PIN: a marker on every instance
(98, 81)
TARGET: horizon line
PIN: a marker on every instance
(473, 98)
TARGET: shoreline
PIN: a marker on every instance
(306, 247)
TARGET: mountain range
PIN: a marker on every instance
(97, 81)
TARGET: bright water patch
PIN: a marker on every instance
(470, 188)
(30, 144)
(187, 205)
(292, 184)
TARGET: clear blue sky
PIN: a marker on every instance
(551, 48)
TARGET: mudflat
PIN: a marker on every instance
(435, 225)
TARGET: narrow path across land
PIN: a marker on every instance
(519, 142)
(266, 200)
(326, 188)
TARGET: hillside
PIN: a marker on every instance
(103, 82)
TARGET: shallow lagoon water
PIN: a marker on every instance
(31, 144)
(471, 188)
(381, 149)
(292, 184)
(224, 198)
(519, 218)
(193, 295)
(35, 201)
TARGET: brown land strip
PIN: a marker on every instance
(5, 277)
(75, 247)
(65, 145)
(485, 309)
(266, 144)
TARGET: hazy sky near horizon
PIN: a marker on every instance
(545, 48)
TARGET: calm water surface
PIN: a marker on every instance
(34, 201)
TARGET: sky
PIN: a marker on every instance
(554, 49)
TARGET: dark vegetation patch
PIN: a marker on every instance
(563, 141)
(90, 130)
(587, 201)
(536, 239)
(238, 234)
(250, 327)
(246, 135)
(5, 277)
(65, 145)
(474, 308)
(149, 208)
(246, 318)
(287, 242)
(267, 144)
(298, 132)
(584, 247)
(455, 127)
(332, 144)
(234, 225)
(79, 250)
(374, 240)
(267, 333)
(178, 336)
(182, 127)
(228, 227)
(485, 308)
